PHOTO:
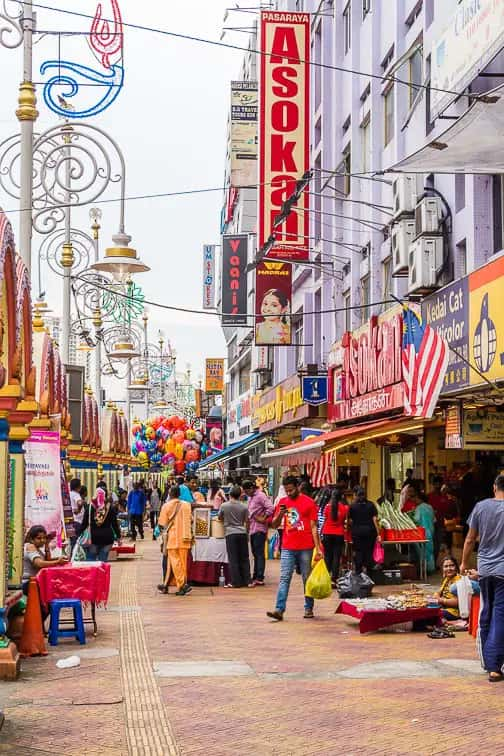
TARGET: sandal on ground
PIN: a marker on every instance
(495, 677)
(276, 615)
(440, 633)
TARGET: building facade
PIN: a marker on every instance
(384, 83)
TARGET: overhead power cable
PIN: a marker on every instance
(247, 49)
(219, 313)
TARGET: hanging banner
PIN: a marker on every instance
(273, 304)
(43, 504)
(234, 279)
(244, 107)
(473, 37)
(214, 432)
(284, 146)
(453, 427)
(214, 375)
(208, 276)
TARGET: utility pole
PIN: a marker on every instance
(26, 114)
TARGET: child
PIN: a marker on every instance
(276, 326)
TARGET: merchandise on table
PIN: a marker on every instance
(413, 598)
(396, 525)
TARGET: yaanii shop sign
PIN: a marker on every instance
(281, 405)
(365, 376)
(284, 129)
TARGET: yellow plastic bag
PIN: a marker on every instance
(318, 585)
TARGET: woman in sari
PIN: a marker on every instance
(425, 517)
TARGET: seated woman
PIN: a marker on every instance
(37, 554)
(447, 600)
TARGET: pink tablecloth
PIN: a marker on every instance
(376, 619)
(89, 583)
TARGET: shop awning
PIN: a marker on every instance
(472, 144)
(306, 452)
(234, 450)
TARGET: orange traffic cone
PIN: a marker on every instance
(32, 641)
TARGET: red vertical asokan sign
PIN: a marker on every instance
(284, 147)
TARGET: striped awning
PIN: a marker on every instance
(321, 472)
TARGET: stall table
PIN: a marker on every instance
(87, 581)
(376, 619)
(206, 558)
(423, 553)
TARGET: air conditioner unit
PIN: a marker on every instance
(425, 260)
(403, 233)
(428, 215)
(405, 190)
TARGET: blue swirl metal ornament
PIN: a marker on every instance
(69, 87)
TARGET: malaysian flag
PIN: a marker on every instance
(424, 361)
(321, 471)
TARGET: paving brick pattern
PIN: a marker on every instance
(290, 698)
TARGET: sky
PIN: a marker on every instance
(170, 122)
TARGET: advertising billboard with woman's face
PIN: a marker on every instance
(273, 304)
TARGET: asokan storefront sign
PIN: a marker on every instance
(365, 376)
(284, 119)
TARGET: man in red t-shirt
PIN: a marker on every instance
(298, 513)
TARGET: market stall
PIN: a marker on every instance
(411, 605)
(208, 557)
(87, 581)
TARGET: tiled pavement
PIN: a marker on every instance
(299, 687)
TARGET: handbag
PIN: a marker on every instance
(85, 537)
(164, 537)
(378, 553)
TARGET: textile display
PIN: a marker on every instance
(90, 583)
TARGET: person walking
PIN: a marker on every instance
(298, 514)
(486, 522)
(175, 521)
(155, 505)
(103, 526)
(136, 509)
(260, 511)
(234, 514)
(333, 532)
(364, 529)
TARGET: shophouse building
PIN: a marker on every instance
(384, 83)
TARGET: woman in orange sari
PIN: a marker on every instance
(175, 523)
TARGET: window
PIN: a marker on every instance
(366, 144)
(347, 169)
(387, 60)
(347, 28)
(414, 14)
(386, 280)
(244, 380)
(298, 337)
(388, 104)
(346, 124)
(415, 73)
(317, 350)
(347, 319)
(365, 291)
(459, 191)
(366, 7)
(461, 259)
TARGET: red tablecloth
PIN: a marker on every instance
(376, 619)
(89, 583)
(207, 573)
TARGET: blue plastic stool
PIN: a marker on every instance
(77, 631)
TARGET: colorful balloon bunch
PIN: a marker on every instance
(169, 442)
